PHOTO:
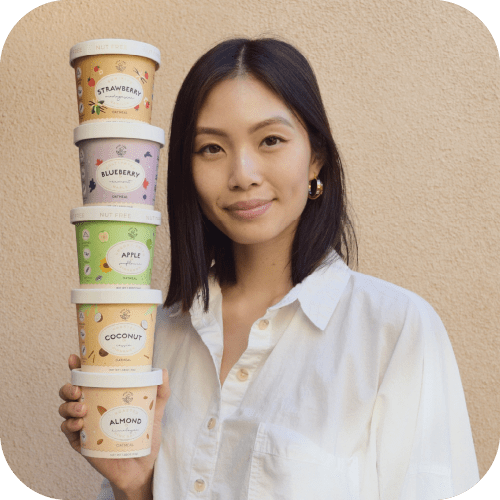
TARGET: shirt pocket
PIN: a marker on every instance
(288, 466)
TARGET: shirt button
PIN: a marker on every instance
(199, 485)
(211, 423)
(242, 374)
(263, 324)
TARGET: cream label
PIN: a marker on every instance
(119, 91)
(128, 257)
(120, 175)
(122, 339)
(124, 423)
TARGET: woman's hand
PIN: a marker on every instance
(130, 478)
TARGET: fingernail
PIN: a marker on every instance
(78, 408)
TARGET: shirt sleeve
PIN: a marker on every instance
(106, 492)
(420, 422)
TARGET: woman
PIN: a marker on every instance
(290, 376)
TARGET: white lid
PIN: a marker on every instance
(122, 214)
(113, 380)
(112, 296)
(122, 130)
(114, 46)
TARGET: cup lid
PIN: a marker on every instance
(111, 296)
(122, 214)
(114, 46)
(122, 130)
(116, 380)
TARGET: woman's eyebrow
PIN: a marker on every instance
(251, 130)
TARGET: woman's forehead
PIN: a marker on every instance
(244, 100)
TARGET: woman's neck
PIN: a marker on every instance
(263, 271)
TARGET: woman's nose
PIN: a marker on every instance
(245, 171)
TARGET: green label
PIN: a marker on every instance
(115, 253)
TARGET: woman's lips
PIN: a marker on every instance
(245, 210)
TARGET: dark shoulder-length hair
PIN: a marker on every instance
(195, 242)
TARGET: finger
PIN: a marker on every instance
(73, 437)
(72, 410)
(70, 392)
(74, 362)
(72, 426)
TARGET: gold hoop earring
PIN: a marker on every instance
(317, 185)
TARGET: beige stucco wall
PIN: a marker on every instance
(412, 91)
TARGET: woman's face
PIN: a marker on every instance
(252, 162)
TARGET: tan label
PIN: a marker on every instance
(96, 322)
(114, 87)
(118, 421)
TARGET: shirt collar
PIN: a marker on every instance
(318, 294)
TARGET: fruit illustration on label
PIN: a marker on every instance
(137, 108)
(101, 410)
(96, 69)
(105, 266)
(98, 162)
(103, 353)
(100, 441)
(148, 154)
(90, 81)
(104, 236)
(98, 317)
(97, 107)
(146, 75)
(92, 185)
(149, 244)
(145, 184)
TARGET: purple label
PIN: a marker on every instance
(119, 171)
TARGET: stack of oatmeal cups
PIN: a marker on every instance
(119, 153)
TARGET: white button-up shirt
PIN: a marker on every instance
(348, 389)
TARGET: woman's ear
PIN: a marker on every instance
(317, 162)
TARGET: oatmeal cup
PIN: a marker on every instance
(114, 79)
(115, 246)
(119, 163)
(120, 412)
(116, 329)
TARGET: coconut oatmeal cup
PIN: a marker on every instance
(116, 329)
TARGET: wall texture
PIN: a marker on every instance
(412, 91)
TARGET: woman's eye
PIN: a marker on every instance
(210, 149)
(272, 140)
